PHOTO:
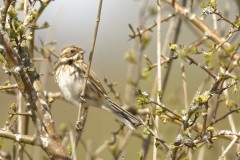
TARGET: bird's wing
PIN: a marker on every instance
(94, 79)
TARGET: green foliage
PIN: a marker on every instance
(210, 128)
(152, 10)
(5, 64)
(1, 143)
(182, 53)
(172, 47)
(235, 89)
(13, 34)
(223, 98)
(10, 116)
(203, 5)
(12, 12)
(63, 127)
(45, 25)
(7, 83)
(230, 48)
(158, 111)
(50, 100)
(192, 50)
(172, 147)
(213, 3)
(230, 104)
(160, 93)
(141, 101)
(145, 40)
(13, 107)
(21, 6)
(209, 146)
(157, 143)
(146, 132)
(69, 149)
(140, 155)
(32, 69)
(130, 57)
(203, 98)
(146, 75)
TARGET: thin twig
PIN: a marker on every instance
(139, 33)
(228, 147)
(184, 80)
(159, 74)
(80, 113)
(154, 134)
(224, 116)
(203, 67)
(175, 39)
(4, 13)
(9, 87)
(190, 5)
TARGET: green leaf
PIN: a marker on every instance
(140, 155)
(158, 111)
(235, 89)
(7, 83)
(157, 143)
(152, 10)
(203, 5)
(11, 12)
(13, 106)
(146, 132)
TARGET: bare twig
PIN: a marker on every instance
(228, 147)
(4, 13)
(203, 67)
(8, 87)
(139, 33)
(155, 135)
(80, 112)
(175, 39)
(159, 73)
(200, 25)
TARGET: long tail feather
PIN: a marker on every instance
(127, 118)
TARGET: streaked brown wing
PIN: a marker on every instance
(92, 77)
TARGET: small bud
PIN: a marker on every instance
(50, 100)
(63, 127)
(172, 47)
(29, 38)
(13, 107)
(157, 143)
(140, 155)
(7, 83)
(146, 132)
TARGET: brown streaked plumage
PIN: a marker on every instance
(69, 73)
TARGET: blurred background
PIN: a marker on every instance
(73, 22)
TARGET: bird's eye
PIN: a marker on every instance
(72, 51)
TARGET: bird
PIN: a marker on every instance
(69, 74)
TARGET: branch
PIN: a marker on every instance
(203, 67)
(46, 134)
(31, 140)
(200, 25)
(8, 87)
(149, 28)
(4, 13)
(79, 126)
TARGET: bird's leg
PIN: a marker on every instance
(79, 125)
(82, 99)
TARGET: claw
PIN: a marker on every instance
(78, 127)
(82, 99)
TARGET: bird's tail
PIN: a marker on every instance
(127, 118)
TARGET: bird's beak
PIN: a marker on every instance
(82, 51)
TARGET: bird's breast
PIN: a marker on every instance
(70, 82)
